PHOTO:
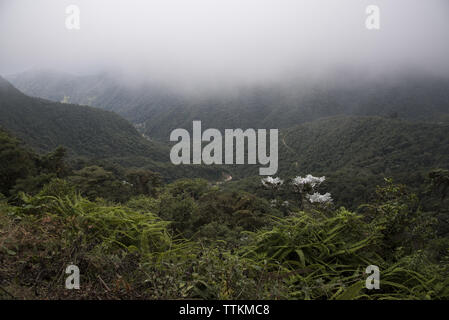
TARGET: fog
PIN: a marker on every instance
(237, 41)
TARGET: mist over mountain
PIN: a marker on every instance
(156, 110)
(161, 64)
(359, 91)
(207, 43)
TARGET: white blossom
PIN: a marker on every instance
(272, 182)
(310, 180)
(319, 198)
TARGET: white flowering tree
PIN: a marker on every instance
(320, 198)
(306, 188)
(307, 184)
(274, 185)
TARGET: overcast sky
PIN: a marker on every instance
(239, 40)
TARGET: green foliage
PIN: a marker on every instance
(127, 231)
(95, 182)
(15, 162)
(355, 153)
(320, 257)
(186, 187)
(58, 188)
(158, 109)
(316, 255)
(440, 182)
(107, 242)
(201, 211)
(436, 199)
(399, 218)
(22, 170)
(143, 181)
(83, 130)
(241, 247)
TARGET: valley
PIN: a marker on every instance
(212, 152)
(85, 172)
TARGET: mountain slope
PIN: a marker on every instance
(157, 110)
(372, 143)
(104, 90)
(356, 153)
(83, 130)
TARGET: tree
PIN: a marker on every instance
(144, 181)
(94, 182)
(15, 163)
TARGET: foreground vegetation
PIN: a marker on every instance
(195, 241)
(134, 237)
(192, 239)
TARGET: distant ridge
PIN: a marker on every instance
(157, 110)
(83, 130)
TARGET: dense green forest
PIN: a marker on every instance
(356, 153)
(158, 109)
(90, 135)
(80, 185)
(86, 131)
(135, 237)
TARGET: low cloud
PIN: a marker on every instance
(242, 41)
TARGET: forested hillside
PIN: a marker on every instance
(136, 238)
(224, 150)
(87, 133)
(355, 154)
(379, 145)
(353, 191)
(83, 130)
(158, 109)
(213, 152)
(109, 91)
